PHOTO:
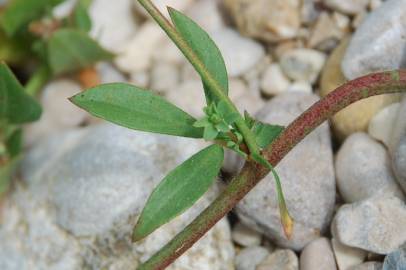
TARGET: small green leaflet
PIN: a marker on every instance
(69, 50)
(204, 47)
(19, 13)
(179, 190)
(16, 107)
(266, 133)
(138, 109)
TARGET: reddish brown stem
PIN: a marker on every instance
(251, 174)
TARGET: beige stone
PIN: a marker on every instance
(355, 117)
(269, 20)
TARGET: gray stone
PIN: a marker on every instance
(318, 255)
(307, 176)
(77, 209)
(164, 77)
(367, 266)
(347, 257)
(207, 15)
(379, 42)
(58, 112)
(283, 259)
(397, 145)
(396, 260)
(382, 124)
(245, 236)
(137, 54)
(273, 81)
(363, 169)
(189, 96)
(240, 53)
(113, 23)
(248, 258)
(302, 64)
(109, 74)
(376, 225)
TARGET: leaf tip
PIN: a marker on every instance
(287, 223)
(137, 236)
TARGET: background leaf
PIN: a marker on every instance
(16, 107)
(266, 133)
(70, 49)
(80, 16)
(179, 190)
(138, 109)
(18, 13)
(204, 47)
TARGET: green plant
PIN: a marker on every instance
(31, 36)
(261, 144)
(30, 33)
(16, 108)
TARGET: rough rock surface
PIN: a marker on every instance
(379, 42)
(81, 195)
(376, 225)
(363, 169)
(269, 20)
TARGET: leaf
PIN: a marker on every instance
(12, 49)
(205, 48)
(138, 109)
(80, 16)
(69, 50)
(265, 133)
(179, 190)
(16, 107)
(210, 133)
(13, 143)
(19, 13)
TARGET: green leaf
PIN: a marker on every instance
(19, 13)
(80, 16)
(266, 133)
(16, 107)
(179, 190)
(13, 143)
(136, 108)
(69, 50)
(204, 47)
(210, 133)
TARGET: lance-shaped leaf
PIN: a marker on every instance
(179, 190)
(138, 109)
(16, 106)
(69, 50)
(205, 49)
(19, 13)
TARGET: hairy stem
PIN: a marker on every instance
(252, 173)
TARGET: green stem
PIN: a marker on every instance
(252, 173)
(37, 80)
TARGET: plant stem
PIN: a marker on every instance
(205, 74)
(252, 173)
(37, 80)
